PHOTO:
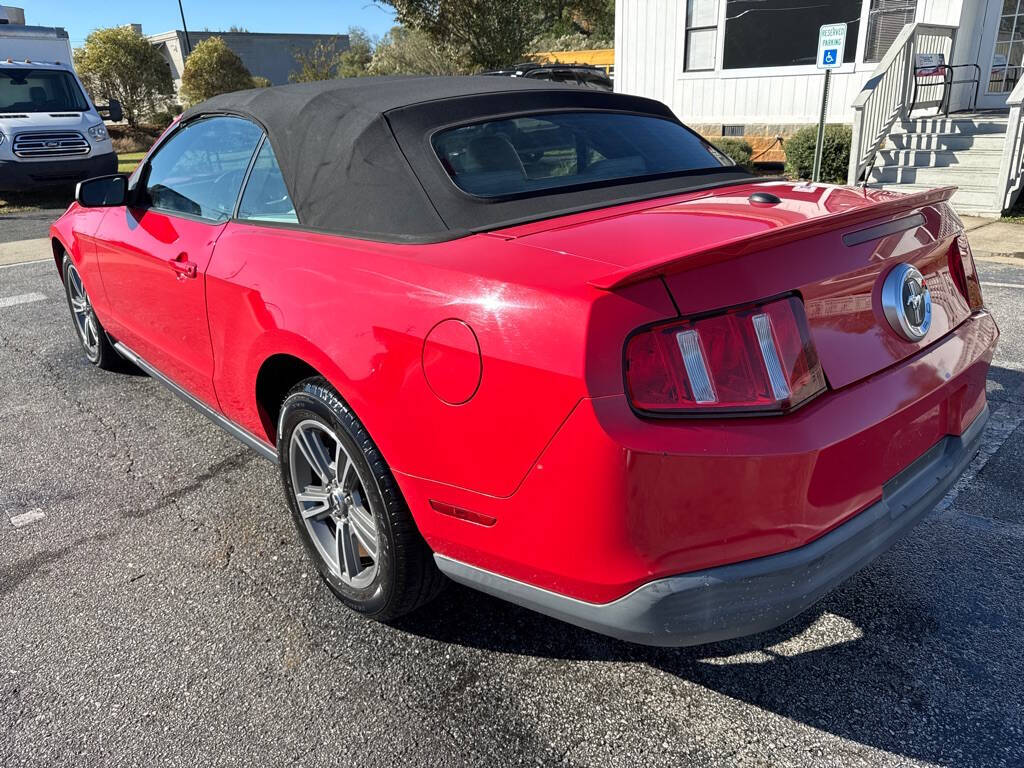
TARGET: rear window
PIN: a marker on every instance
(514, 156)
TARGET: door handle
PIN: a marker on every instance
(183, 267)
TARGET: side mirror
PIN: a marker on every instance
(112, 111)
(102, 192)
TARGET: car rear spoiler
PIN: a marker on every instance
(741, 246)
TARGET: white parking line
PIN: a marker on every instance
(21, 298)
(25, 263)
(27, 518)
(1002, 285)
(1009, 364)
(1003, 422)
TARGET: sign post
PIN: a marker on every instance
(831, 51)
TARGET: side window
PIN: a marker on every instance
(266, 197)
(199, 170)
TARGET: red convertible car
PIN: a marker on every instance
(544, 341)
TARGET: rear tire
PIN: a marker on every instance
(348, 508)
(94, 340)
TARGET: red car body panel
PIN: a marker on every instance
(691, 495)
(589, 499)
(160, 310)
(533, 324)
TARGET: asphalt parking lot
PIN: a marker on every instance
(156, 608)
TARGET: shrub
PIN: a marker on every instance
(163, 117)
(737, 150)
(211, 69)
(407, 51)
(835, 154)
(138, 139)
(258, 81)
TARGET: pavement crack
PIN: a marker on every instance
(234, 462)
(56, 377)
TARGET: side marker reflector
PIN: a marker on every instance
(462, 514)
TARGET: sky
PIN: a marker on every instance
(79, 17)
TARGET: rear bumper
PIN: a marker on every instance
(19, 176)
(754, 595)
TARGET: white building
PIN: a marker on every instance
(747, 68)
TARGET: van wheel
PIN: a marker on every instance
(348, 509)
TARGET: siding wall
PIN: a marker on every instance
(649, 61)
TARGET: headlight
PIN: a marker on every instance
(99, 132)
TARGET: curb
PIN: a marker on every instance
(36, 249)
(989, 256)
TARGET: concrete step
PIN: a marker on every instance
(954, 142)
(972, 127)
(977, 159)
(966, 200)
(935, 177)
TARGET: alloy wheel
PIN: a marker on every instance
(332, 499)
(82, 312)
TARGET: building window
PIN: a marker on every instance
(1008, 56)
(885, 20)
(784, 33)
(701, 34)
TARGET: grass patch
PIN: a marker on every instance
(127, 161)
(1015, 215)
(55, 199)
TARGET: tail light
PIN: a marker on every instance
(965, 275)
(751, 359)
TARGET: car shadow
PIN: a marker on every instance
(917, 655)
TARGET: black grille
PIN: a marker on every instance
(50, 144)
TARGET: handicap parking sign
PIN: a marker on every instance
(831, 46)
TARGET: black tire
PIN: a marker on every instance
(406, 577)
(101, 352)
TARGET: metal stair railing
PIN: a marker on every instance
(886, 95)
(1011, 173)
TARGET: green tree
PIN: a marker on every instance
(493, 33)
(354, 60)
(118, 63)
(319, 62)
(497, 33)
(406, 51)
(259, 81)
(213, 68)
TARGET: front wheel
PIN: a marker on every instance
(95, 342)
(348, 509)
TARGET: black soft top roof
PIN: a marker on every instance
(356, 155)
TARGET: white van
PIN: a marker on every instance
(50, 132)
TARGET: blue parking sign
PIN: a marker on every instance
(830, 56)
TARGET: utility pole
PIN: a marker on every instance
(188, 43)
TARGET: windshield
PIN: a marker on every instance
(519, 155)
(40, 90)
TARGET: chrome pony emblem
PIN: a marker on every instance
(907, 302)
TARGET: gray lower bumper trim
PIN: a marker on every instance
(755, 595)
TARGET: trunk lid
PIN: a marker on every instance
(831, 245)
